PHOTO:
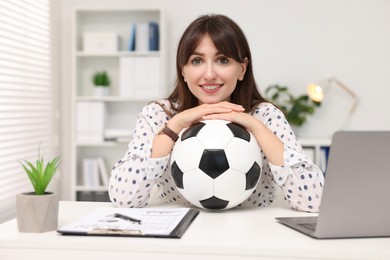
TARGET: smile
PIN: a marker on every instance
(211, 87)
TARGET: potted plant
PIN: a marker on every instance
(296, 109)
(37, 211)
(101, 81)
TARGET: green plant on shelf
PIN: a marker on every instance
(101, 79)
(296, 109)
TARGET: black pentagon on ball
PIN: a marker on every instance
(214, 203)
(192, 131)
(213, 162)
(252, 176)
(239, 131)
(177, 175)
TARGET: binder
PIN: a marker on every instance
(153, 37)
(155, 222)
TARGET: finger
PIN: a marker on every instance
(235, 107)
(223, 108)
(220, 116)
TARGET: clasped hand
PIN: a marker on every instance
(222, 110)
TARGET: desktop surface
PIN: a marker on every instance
(240, 233)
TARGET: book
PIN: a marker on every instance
(324, 155)
(90, 173)
(102, 169)
(144, 37)
(95, 172)
(140, 222)
(132, 38)
(153, 37)
(139, 77)
(90, 121)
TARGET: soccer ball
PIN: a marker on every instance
(216, 164)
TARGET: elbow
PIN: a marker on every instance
(309, 205)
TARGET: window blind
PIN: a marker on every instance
(27, 109)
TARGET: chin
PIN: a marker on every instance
(212, 100)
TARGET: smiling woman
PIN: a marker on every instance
(214, 81)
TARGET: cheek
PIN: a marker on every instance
(231, 75)
(191, 76)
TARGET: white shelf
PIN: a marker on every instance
(111, 99)
(98, 189)
(317, 150)
(119, 54)
(120, 112)
(315, 141)
(102, 144)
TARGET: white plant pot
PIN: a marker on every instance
(101, 91)
(37, 213)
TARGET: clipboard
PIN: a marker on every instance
(139, 222)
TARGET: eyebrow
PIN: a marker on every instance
(202, 54)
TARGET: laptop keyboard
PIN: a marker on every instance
(311, 226)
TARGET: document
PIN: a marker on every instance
(147, 222)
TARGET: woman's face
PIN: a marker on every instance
(210, 75)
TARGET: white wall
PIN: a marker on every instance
(294, 42)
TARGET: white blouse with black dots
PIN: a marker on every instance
(133, 177)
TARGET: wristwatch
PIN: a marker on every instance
(168, 132)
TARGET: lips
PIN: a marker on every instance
(211, 88)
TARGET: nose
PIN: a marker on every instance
(210, 72)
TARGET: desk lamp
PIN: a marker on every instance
(317, 93)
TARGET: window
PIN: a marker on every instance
(27, 102)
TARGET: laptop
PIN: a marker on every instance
(356, 196)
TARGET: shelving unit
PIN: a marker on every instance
(120, 111)
(317, 150)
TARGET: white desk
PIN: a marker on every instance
(234, 234)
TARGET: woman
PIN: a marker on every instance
(214, 81)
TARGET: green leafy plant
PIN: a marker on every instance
(40, 174)
(101, 78)
(296, 109)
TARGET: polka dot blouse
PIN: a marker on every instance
(134, 176)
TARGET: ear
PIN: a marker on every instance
(183, 74)
(244, 65)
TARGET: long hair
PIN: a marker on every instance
(229, 40)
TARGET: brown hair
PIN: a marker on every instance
(229, 39)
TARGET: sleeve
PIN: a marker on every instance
(299, 178)
(133, 177)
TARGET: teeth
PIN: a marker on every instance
(210, 87)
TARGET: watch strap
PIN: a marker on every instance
(169, 132)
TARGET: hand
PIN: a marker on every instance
(162, 145)
(193, 115)
(270, 144)
(241, 118)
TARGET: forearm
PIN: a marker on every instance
(132, 180)
(303, 189)
(162, 143)
(270, 144)
(301, 181)
(133, 177)
(129, 189)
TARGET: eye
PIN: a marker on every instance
(196, 61)
(223, 60)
